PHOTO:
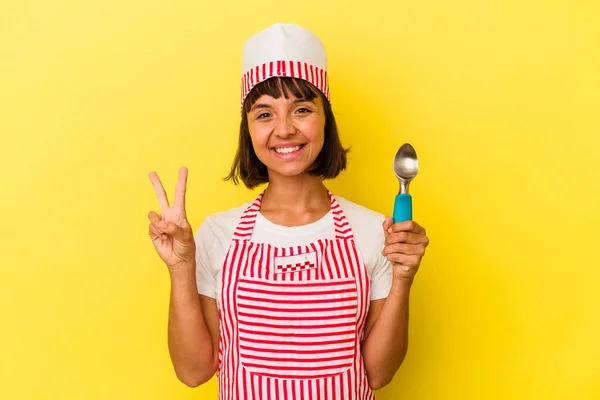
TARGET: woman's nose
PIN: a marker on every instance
(285, 126)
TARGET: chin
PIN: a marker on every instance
(290, 171)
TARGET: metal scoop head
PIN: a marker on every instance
(406, 166)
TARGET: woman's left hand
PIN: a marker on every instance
(405, 244)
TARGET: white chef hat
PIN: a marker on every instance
(284, 50)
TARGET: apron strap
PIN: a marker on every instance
(245, 227)
(342, 226)
(248, 220)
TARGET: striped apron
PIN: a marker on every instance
(292, 318)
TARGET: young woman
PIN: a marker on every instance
(298, 294)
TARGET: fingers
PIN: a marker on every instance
(407, 249)
(173, 230)
(181, 188)
(406, 237)
(405, 244)
(163, 201)
(404, 260)
(155, 234)
(408, 226)
(156, 224)
(387, 223)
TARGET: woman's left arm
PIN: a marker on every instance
(386, 331)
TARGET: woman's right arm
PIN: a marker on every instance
(193, 328)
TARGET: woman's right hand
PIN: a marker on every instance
(170, 231)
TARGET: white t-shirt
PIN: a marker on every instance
(216, 232)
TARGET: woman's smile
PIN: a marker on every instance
(288, 151)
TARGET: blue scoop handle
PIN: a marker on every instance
(402, 207)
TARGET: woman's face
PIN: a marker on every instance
(287, 134)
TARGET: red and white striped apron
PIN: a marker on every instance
(292, 318)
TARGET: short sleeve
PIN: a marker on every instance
(205, 243)
(381, 271)
(381, 280)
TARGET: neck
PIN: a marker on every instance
(295, 200)
(296, 193)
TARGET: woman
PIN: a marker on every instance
(298, 294)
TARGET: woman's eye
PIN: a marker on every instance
(303, 110)
(263, 115)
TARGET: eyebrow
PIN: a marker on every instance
(259, 105)
(263, 105)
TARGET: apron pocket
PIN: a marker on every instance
(297, 330)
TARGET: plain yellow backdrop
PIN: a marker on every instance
(500, 99)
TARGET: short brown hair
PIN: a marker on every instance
(246, 166)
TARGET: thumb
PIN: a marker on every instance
(386, 225)
(173, 230)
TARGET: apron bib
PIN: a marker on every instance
(292, 318)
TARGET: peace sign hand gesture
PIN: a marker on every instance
(170, 231)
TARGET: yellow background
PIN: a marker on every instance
(500, 99)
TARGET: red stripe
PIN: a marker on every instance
(296, 310)
(291, 359)
(287, 301)
(270, 292)
(322, 80)
(243, 314)
(300, 284)
(292, 74)
(283, 68)
(277, 250)
(349, 388)
(318, 384)
(294, 351)
(301, 367)
(296, 334)
(268, 263)
(301, 343)
(291, 326)
(317, 77)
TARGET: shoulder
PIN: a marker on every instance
(367, 226)
(221, 224)
(361, 217)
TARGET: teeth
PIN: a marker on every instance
(285, 150)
